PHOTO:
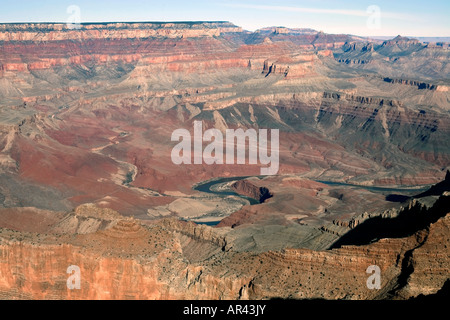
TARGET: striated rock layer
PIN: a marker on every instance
(178, 260)
(86, 118)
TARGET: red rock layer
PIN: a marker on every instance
(131, 261)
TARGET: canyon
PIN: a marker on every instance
(87, 179)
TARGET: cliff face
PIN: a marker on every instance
(186, 47)
(171, 260)
(379, 117)
(427, 263)
(122, 260)
(58, 32)
(418, 84)
(252, 190)
(400, 57)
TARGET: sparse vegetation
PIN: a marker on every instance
(128, 178)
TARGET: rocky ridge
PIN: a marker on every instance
(133, 261)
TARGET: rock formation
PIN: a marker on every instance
(171, 260)
(86, 177)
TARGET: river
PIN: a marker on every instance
(207, 185)
(216, 187)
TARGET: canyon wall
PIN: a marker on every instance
(86, 119)
(133, 261)
(121, 30)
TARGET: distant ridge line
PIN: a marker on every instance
(124, 22)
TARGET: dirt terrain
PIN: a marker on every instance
(86, 176)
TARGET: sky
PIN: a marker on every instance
(417, 18)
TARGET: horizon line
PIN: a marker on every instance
(212, 21)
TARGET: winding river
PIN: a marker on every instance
(218, 187)
(207, 186)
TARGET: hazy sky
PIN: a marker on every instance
(365, 18)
